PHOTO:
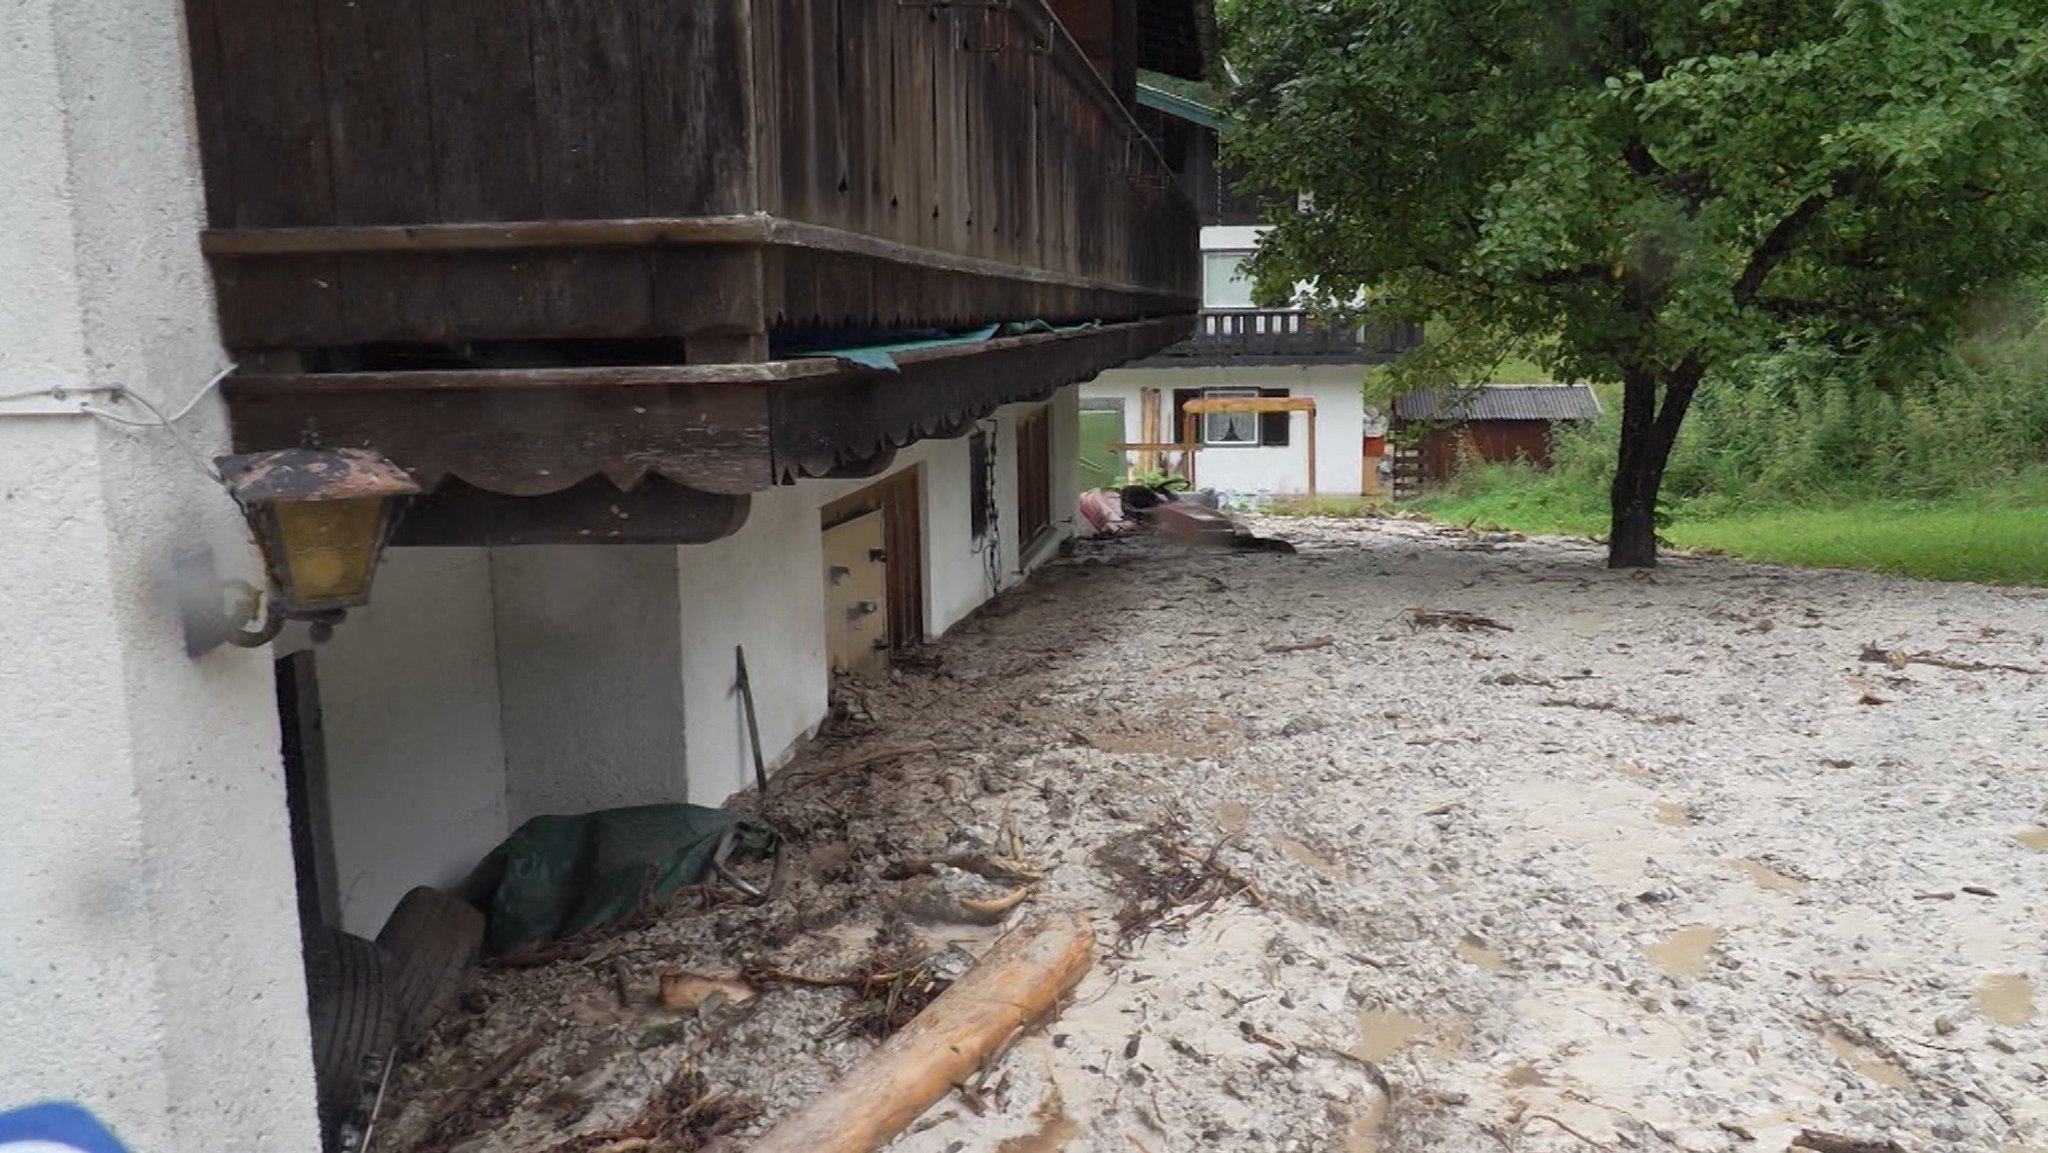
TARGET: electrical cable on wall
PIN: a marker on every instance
(119, 393)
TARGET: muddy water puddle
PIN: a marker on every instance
(2032, 838)
(1364, 1136)
(1672, 813)
(1684, 953)
(1479, 953)
(2006, 998)
(1765, 877)
(1867, 1063)
(1232, 816)
(1302, 854)
(1385, 1032)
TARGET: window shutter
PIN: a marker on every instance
(1273, 426)
(1181, 397)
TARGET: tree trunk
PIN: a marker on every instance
(1648, 431)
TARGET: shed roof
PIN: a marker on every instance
(1500, 402)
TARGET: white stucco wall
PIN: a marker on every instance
(410, 714)
(1340, 425)
(149, 955)
(764, 587)
(590, 677)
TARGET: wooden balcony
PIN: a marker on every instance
(1267, 336)
(573, 263)
(704, 172)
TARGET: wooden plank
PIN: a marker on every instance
(596, 377)
(1020, 979)
(530, 442)
(593, 142)
(698, 114)
(265, 98)
(480, 71)
(374, 60)
(540, 235)
(1251, 404)
(658, 511)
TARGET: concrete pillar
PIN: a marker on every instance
(149, 949)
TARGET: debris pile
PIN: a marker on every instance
(1565, 859)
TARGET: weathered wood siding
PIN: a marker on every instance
(969, 164)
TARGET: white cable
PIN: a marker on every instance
(167, 423)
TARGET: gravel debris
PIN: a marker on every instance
(1530, 855)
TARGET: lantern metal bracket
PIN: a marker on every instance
(235, 612)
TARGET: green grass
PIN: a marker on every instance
(1951, 541)
(1350, 504)
(1996, 536)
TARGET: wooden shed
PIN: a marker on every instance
(1496, 422)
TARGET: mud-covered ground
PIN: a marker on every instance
(1663, 861)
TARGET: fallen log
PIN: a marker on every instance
(1019, 980)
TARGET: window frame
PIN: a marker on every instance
(1232, 393)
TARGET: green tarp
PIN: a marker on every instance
(564, 876)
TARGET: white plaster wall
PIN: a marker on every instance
(1340, 425)
(590, 677)
(764, 587)
(149, 957)
(410, 712)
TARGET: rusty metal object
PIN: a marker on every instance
(312, 474)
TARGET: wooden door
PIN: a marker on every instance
(898, 498)
(857, 595)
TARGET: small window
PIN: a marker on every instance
(1230, 429)
(1224, 283)
(978, 489)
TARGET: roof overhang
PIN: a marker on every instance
(671, 453)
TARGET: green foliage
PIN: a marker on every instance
(1789, 459)
(1618, 189)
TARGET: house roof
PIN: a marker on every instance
(1500, 402)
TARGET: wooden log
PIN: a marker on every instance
(1019, 979)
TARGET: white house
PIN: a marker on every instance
(1240, 351)
(642, 442)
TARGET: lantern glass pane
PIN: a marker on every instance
(329, 546)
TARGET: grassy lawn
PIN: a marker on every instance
(1997, 537)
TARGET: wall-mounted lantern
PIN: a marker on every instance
(321, 517)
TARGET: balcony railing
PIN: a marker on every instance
(1285, 336)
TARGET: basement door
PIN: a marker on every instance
(857, 595)
(897, 502)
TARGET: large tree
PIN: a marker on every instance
(1644, 191)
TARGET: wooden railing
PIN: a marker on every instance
(1286, 336)
(387, 170)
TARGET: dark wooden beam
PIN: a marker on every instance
(594, 512)
(534, 432)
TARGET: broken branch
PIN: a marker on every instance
(1302, 646)
(1899, 659)
(1245, 885)
(1821, 1142)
